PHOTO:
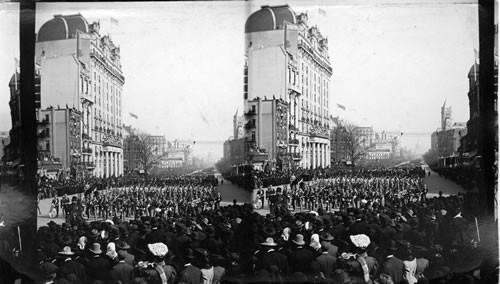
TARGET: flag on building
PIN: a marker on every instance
(114, 21)
(341, 106)
(133, 115)
(322, 12)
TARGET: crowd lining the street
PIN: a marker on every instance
(360, 227)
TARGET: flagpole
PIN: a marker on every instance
(15, 73)
(19, 235)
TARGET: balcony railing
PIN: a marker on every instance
(249, 125)
(87, 150)
(294, 142)
(250, 112)
(297, 156)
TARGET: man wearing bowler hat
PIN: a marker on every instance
(190, 274)
(272, 257)
(301, 257)
(326, 241)
(392, 265)
(98, 266)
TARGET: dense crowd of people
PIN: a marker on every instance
(382, 230)
(468, 177)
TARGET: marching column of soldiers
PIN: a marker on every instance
(348, 190)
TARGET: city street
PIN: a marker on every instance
(436, 183)
(228, 192)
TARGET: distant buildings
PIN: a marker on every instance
(158, 143)
(286, 92)
(446, 120)
(446, 142)
(81, 69)
(338, 143)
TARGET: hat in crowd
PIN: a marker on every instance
(299, 240)
(298, 225)
(94, 233)
(154, 222)
(48, 268)
(109, 221)
(325, 236)
(392, 245)
(360, 241)
(96, 248)
(269, 231)
(66, 251)
(158, 249)
(204, 220)
(269, 242)
(51, 223)
(66, 240)
(410, 213)
(123, 245)
(189, 253)
(314, 213)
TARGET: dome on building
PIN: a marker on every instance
(270, 18)
(62, 27)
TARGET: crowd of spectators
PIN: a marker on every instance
(402, 240)
(468, 177)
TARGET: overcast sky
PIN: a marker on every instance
(393, 65)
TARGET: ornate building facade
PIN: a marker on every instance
(288, 60)
(69, 47)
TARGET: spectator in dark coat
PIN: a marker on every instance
(190, 274)
(122, 271)
(326, 262)
(123, 248)
(392, 265)
(70, 266)
(272, 257)
(301, 257)
(98, 266)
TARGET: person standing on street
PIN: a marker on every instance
(55, 205)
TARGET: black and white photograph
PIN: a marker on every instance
(211, 142)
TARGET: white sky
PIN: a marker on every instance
(393, 65)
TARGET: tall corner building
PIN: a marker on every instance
(287, 66)
(81, 69)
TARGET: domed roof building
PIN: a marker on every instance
(82, 69)
(270, 18)
(287, 71)
(62, 27)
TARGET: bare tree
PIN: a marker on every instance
(146, 152)
(355, 143)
